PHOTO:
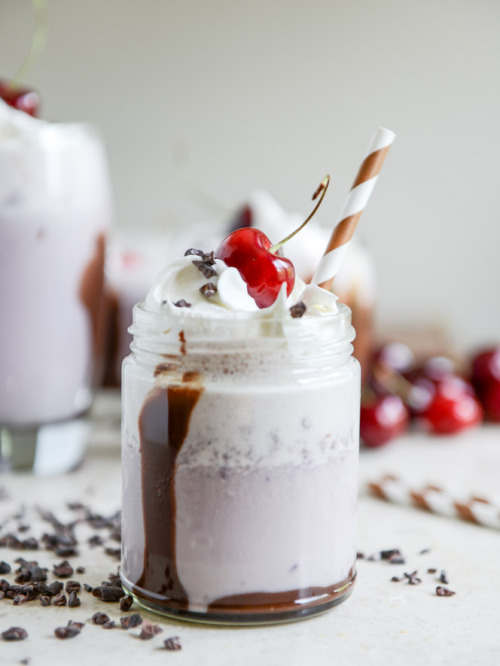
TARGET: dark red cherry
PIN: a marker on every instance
(383, 417)
(451, 410)
(485, 367)
(489, 397)
(264, 272)
(20, 97)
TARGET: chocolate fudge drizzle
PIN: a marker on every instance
(163, 426)
(92, 296)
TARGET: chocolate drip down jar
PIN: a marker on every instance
(240, 465)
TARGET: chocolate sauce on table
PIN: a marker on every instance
(163, 426)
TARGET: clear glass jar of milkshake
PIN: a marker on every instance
(55, 210)
(240, 451)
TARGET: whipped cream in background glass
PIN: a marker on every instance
(55, 208)
(239, 450)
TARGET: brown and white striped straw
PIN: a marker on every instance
(354, 205)
(433, 498)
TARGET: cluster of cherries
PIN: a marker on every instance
(432, 395)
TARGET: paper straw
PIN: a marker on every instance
(432, 498)
(354, 205)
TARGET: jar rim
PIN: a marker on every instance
(156, 329)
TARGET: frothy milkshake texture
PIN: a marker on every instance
(240, 448)
(54, 212)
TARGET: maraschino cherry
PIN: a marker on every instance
(252, 253)
(248, 250)
(20, 97)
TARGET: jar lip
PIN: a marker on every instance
(164, 327)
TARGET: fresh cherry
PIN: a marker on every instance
(383, 417)
(485, 367)
(243, 218)
(490, 400)
(252, 253)
(485, 377)
(264, 273)
(451, 410)
(20, 97)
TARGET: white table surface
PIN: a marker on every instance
(383, 622)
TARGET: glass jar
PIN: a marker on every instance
(240, 466)
(55, 210)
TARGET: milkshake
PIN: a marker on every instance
(54, 213)
(240, 446)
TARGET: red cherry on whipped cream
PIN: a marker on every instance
(20, 97)
(247, 250)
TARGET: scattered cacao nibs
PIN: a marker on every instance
(2, 594)
(182, 304)
(80, 570)
(66, 551)
(360, 556)
(66, 632)
(443, 578)
(397, 559)
(194, 251)
(14, 634)
(208, 289)
(87, 587)
(73, 600)
(22, 527)
(76, 625)
(114, 579)
(100, 618)
(444, 591)
(126, 603)
(30, 572)
(424, 551)
(60, 600)
(172, 643)
(431, 570)
(56, 587)
(45, 601)
(63, 570)
(20, 599)
(4, 585)
(95, 540)
(396, 579)
(75, 506)
(387, 554)
(72, 586)
(108, 593)
(114, 552)
(5, 568)
(31, 544)
(149, 630)
(412, 578)
(298, 310)
(11, 541)
(205, 268)
(108, 625)
(131, 621)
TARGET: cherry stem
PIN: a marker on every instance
(321, 191)
(37, 43)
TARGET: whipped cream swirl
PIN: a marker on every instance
(179, 287)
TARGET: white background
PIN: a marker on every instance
(276, 94)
